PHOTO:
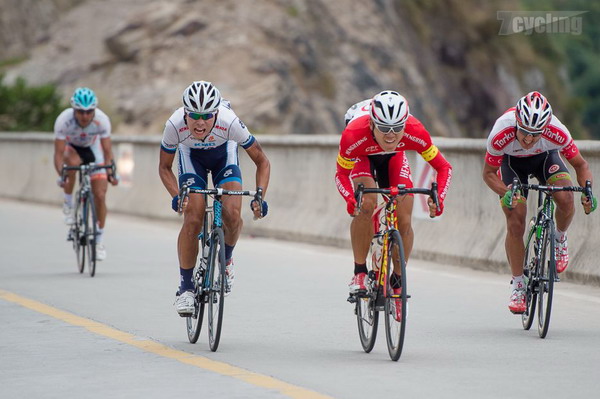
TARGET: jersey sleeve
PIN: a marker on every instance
(170, 139)
(344, 166)
(497, 139)
(105, 126)
(60, 125)
(569, 149)
(240, 134)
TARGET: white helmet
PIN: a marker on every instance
(533, 112)
(201, 97)
(389, 108)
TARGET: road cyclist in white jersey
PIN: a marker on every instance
(206, 133)
(82, 136)
(529, 140)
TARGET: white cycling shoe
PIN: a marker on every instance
(184, 304)
(68, 213)
(100, 252)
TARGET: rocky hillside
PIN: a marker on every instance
(288, 66)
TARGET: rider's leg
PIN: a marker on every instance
(565, 207)
(187, 242)
(99, 188)
(361, 227)
(232, 216)
(404, 213)
(515, 229)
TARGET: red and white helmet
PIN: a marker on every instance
(533, 112)
(202, 97)
(389, 109)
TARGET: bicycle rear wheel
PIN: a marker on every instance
(216, 295)
(395, 325)
(367, 317)
(547, 273)
(194, 322)
(78, 233)
(531, 271)
(90, 233)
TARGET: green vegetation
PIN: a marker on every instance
(28, 108)
(580, 53)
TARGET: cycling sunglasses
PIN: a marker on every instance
(388, 129)
(84, 111)
(527, 132)
(196, 116)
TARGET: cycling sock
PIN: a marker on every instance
(69, 198)
(560, 235)
(228, 252)
(518, 282)
(360, 268)
(396, 280)
(186, 281)
(99, 235)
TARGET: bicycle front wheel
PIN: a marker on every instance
(546, 280)
(216, 295)
(78, 231)
(194, 322)
(91, 233)
(395, 304)
(368, 319)
(531, 271)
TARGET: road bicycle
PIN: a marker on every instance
(210, 279)
(539, 265)
(379, 295)
(82, 233)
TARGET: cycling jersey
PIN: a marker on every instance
(216, 153)
(503, 140)
(67, 128)
(358, 141)
(227, 127)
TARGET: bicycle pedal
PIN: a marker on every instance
(351, 299)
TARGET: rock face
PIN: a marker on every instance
(287, 66)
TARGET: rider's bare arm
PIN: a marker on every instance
(59, 149)
(263, 166)
(582, 169)
(165, 171)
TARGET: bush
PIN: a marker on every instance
(28, 108)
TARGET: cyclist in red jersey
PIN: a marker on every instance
(526, 140)
(372, 149)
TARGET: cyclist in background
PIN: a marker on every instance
(526, 140)
(207, 133)
(372, 147)
(82, 136)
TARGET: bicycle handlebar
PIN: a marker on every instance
(90, 167)
(395, 191)
(516, 186)
(185, 191)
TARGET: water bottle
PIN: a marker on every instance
(376, 251)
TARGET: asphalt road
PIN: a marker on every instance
(288, 330)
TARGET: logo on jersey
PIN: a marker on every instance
(415, 139)
(554, 136)
(211, 138)
(183, 129)
(372, 148)
(220, 127)
(508, 136)
(355, 145)
(228, 173)
(242, 124)
(553, 168)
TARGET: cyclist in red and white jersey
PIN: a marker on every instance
(372, 149)
(527, 139)
(206, 133)
(82, 136)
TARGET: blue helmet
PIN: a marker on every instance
(84, 99)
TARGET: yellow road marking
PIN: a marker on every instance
(147, 345)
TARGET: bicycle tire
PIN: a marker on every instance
(216, 294)
(395, 329)
(367, 318)
(78, 236)
(531, 268)
(547, 270)
(91, 234)
(194, 322)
